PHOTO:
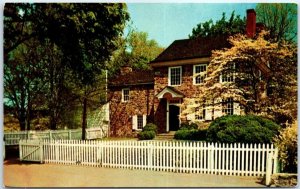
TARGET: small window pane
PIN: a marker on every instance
(200, 69)
(125, 95)
(140, 122)
(175, 76)
(227, 107)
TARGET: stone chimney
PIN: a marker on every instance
(126, 69)
(251, 23)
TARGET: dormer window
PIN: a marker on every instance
(175, 76)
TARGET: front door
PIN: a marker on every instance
(173, 117)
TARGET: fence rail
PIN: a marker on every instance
(171, 156)
(13, 138)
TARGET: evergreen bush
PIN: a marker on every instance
(146, 135)
(244, 129)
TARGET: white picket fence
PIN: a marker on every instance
(171, 156)
(13, 138)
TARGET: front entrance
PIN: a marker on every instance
(174, 117)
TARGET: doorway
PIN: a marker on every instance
(174, 117)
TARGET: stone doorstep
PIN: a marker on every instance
(166, 136)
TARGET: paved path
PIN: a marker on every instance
(52, 175)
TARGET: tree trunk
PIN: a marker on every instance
(84, 116)
(22, 119)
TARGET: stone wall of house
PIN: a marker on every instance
(140, 103)
(161, 81)
(187, 87)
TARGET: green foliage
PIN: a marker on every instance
(135, 50)
(54, 54)
(190, 134)
(146, 135)
(244, 129)
(150, 127)
(149, 131)
(222, 27)
(188, 126)
(280, 19)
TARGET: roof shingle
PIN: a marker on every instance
(192, 48)
(136, 77)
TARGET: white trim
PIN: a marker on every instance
(168, 90)
(134, 122)
(194, 72)
(169, 75)
(233, 75)
(122, 100)
(168, 117)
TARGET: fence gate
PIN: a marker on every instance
(31, 150)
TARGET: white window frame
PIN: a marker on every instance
(135, 121)
(228, 106)
(123, 96)
(233, 76)
(203, 109)
(169, 75)
(194, 73)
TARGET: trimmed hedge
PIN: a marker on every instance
(193, 134)
(188, 126)
(150, 127)
(245, 129)
(148, 133)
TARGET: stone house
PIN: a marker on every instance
(140, 97)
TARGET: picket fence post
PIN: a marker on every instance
(150, 154)
(70, 135)
(41, 151)
(269, 168)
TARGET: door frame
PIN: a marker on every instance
(168, 114)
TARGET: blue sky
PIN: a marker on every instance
(166, 22)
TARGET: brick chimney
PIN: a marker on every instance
(251, 23)
(126, 69)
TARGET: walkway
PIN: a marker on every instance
(18, 174)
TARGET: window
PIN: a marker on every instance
(198, 69)
(200, 113)
(228, 73)
(227, 106)
(125, 95)
(175, 76)
(138, 122)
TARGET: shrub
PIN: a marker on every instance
(286, 142)
(150, 127)
(245, 129)
(193, 134)
(146, 135)
(188, 126)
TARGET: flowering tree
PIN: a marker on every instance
(286, 142)
(257, 74)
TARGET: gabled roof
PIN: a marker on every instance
(175, 93)
(192, 48)
(136, 77)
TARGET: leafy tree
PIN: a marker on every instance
(270, 92)
(84, 35)
(280, 19)
(222, 27)
(135, 50)
(287, 142)
(24, 80)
